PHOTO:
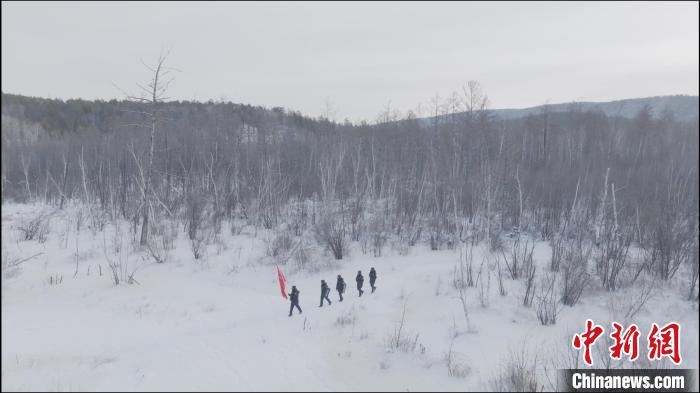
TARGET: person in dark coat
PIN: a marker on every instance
(294, 298)
(360, 280)
(372, 278)
(340, 286)
(324, 293)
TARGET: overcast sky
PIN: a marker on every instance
(361, 56)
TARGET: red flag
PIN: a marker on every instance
(283, 282)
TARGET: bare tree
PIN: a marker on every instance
(153, 94)
(574, 275)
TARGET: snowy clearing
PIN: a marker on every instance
(219, 323)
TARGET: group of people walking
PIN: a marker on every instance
(339, 286)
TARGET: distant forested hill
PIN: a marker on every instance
(683, 108)
(27, 119)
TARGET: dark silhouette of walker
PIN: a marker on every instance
(359, 280)
(294, 298)
(324, 293)
(340, 286)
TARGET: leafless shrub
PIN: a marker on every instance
(635, 301)
(63, 235)
(560, 357)
(529, 270)
(156, 251)
(518, 374)
(79, 219)
(457, 279)
(413, 235)
(135, 240)
(235, 227)
(272, 192)
(356, 208)
(302, 255)
(558, 246)
(463, 275)
(436, 236)
(116, 238)
(35, 228)
(624, 305)
(399, 339)
(501, 289)
(97, 218)
(612, 257)
(122, 271)
(463, 300)
(233, 269)
(365, 244)
(547, 303)
(400, 246)
(670, 246)
(221, 245)
(403, 343)
(280, 244)
(331, 233)
(379, 238)
(452, 238)
(198, 245)
(575, 275)
(216, 218)
(54, 279)
(496, 242)
(347, 318)
(195, 211)
(160, 243)
(169, 235)
(299, 216)
(195, 220)
(267, 216)
(519, 257)
(455, 367)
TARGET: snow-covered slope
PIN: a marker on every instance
(221, 323)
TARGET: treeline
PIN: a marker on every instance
(458, 175)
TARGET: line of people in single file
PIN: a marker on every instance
(339, 286)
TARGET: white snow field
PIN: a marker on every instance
(220, 323)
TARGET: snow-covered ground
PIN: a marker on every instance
(221, 323)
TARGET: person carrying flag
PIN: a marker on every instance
(294, 298)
